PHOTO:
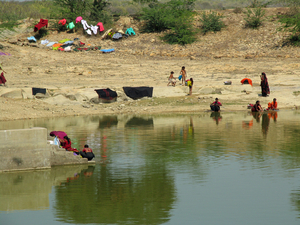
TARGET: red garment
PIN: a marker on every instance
(62, 22)
(87, 150)
(101, 27)
(246, 80)
(41, 24)
(2, 79)
(67, 145)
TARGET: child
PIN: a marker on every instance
(172, 80)
(183, 74)
(87, 153)
(190, 83)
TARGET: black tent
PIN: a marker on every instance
(106, 94)
(138, 92)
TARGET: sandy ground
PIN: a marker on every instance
(83, 72)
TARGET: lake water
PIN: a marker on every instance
(212, 169)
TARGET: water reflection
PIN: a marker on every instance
(30, 190)
(117, 196)
(216, 116)
(148, 166)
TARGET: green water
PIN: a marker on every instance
(228, 168)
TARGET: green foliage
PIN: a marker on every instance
(174, 16)
(163, 16)
(182, 33)
(290, 3)
(291, 23)
(70, 9)
(211, 22)
(97, 9)
(254, 17)
(9, 25)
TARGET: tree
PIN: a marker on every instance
(72, 8)
(98, 7)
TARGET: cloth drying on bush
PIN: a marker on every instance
(41, 24)
(62, 22)
(78, 19)
(101, 27)
(71, 25)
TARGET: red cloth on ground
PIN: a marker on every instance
(247, 80)
(62, 22)
(41, 24)
(2, 79)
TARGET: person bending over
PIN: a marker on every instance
(215, 106)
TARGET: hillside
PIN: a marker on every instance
(144, 60)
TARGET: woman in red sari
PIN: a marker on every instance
(66, 144)
(265, 90)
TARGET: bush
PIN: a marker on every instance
(254, 17)
(211, 22)
(291, 23)
(238, 10)
(182, 33)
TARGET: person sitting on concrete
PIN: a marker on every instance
(87, 153)
(215, 106)
(257, 107)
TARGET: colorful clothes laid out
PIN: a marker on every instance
(43, 42)
(2, 78)
(84, 24)
(77, 49)
(4, 53)
(32, 38)
(62, 22)
(78, 19)
(41, 24)
(71, 25)
(64, 40)
(107, 50)
(130, 31)
(101, 27)
(50, 44)
(117, 36)
(56, 46)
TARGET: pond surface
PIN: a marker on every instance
(212, 169)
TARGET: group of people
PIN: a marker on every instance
(61, 139)
(183, 78)
(258, 108)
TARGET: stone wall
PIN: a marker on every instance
(25, 149)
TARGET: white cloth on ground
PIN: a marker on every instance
(94, 29)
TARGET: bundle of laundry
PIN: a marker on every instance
(41, 24)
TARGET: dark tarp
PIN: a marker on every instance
(138, 92)
(106, 94)
(38, 90)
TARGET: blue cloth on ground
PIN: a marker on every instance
(32, 38)
(51, 43)
(107, 50)
(130, 31)
(179, 78)
(68, 42)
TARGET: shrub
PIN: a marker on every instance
(291, 23)
(211, 22)
(254, 17)
(182, 33)
(238, 10)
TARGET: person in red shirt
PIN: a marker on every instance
(87, 152)
(215, 106)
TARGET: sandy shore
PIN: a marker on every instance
(71, 73)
